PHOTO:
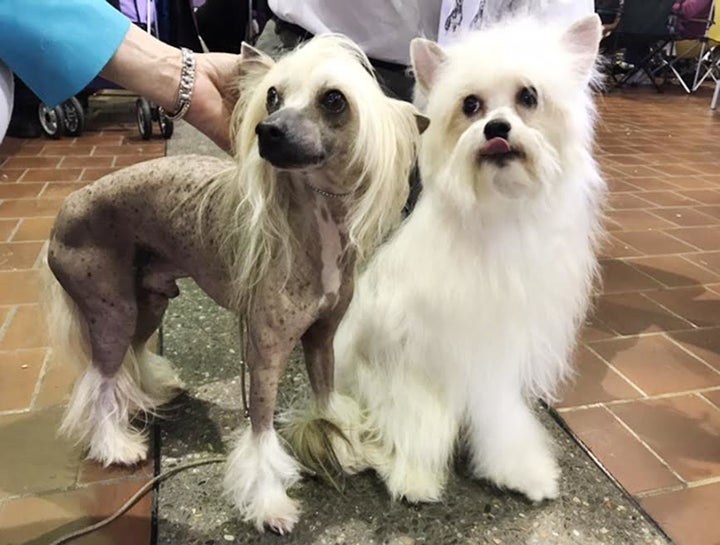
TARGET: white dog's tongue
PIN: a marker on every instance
(496, 146)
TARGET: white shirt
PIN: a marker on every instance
(458, 16)
(384, 28)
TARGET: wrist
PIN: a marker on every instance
(146, 66)
(186, 87)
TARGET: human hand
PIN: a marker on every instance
(212, 101)
(152, 69)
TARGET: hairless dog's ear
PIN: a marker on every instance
(250, 53)
(252, 64)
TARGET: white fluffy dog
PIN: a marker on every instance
(472, 308)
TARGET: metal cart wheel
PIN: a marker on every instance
(166, 125)
(144, 118)
(73, 117)
(51, 121)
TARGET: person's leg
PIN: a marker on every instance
(397, 82)
(222, 24)
(6, 98)
(24, 121)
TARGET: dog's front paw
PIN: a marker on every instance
(414, 484)
(534, 474)
(118, 447)
(280, 517)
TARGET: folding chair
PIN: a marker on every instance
(644, 26)
(708, 65)
(716, 95)
(610, 13)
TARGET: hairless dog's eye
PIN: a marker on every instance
(333, 101)
(273, 99)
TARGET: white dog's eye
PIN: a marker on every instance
(272, 100)
(333, 101)
(471, 105)
(527, 96)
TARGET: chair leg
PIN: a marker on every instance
(716, 95)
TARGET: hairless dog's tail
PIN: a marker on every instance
(66, 326)
(70, 343)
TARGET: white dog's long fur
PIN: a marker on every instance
(473, 307)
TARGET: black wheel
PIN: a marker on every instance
(73, 117)
(51, 121)
(166, 126)
(144, 118)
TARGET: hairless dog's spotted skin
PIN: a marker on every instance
(319, 177)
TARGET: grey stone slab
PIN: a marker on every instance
(200, 338)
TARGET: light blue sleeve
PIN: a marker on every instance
(57, 47)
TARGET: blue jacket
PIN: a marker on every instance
(57, 47)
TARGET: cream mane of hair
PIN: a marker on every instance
(258, 236)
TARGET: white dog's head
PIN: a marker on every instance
(511, 108)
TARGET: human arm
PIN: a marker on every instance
(152, 68)
(57, 47)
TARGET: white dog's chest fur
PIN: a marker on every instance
(473, 296)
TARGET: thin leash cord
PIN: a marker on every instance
(243, 370)
(136, 497)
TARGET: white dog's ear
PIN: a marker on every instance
(423, 122)
(583, 39)
(426, 56)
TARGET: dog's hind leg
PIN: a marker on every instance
(411, 431)
(107, 393)
(158, 378)
(259, 470)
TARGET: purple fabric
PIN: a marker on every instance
(135, 10)
(693, 16)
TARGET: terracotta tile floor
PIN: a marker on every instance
(46, 489)
(646, 399)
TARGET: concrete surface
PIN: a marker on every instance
(201, 340)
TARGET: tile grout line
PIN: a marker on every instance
(706, 400)
(655, 397)
(8, 320)
(716, 371)
(685, 241)
(622, 375)
(77, 486)
(41, 195)
(703, 267)
(642, 442)
(12, 412)
(15, 230)
(671, 312)
(660, 491)
(650, 333)
(628, 261)
(41, 378)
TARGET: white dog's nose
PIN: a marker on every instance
(497, 128)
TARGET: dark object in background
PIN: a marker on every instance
(24, 122)
(222, 24)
